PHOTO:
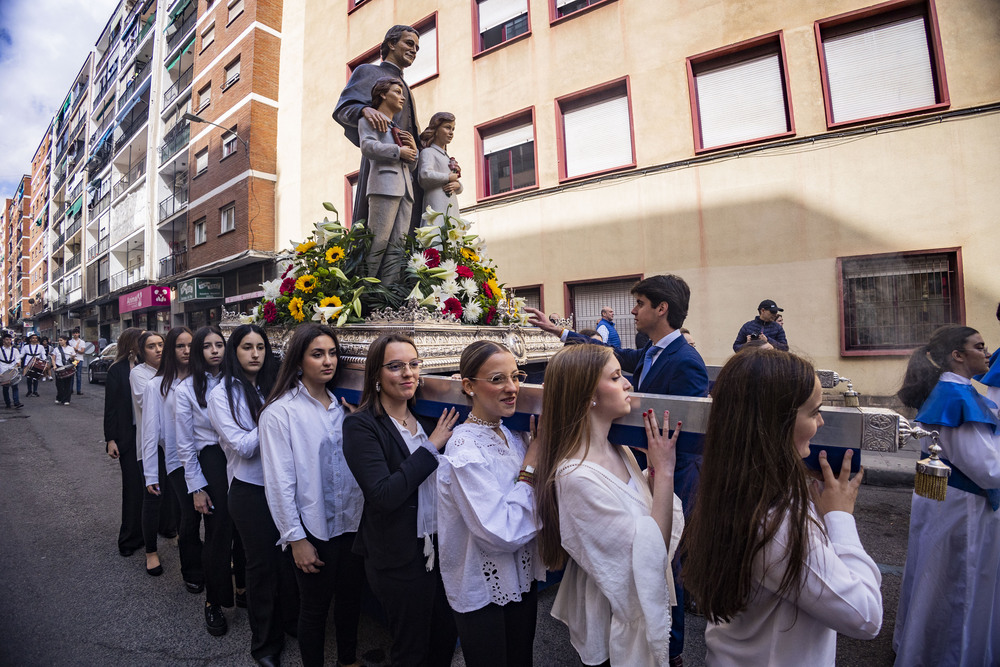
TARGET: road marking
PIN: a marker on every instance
(890, 569)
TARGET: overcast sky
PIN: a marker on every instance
(43, 44)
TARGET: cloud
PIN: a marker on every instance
(40, 56)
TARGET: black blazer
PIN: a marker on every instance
(118, 424)
(389, 477)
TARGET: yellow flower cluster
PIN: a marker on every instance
(295, 309)
(334, 255)
(331, 301)
(305, 247)
(306, 283)
(469, 254)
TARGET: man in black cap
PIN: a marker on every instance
(763, 327)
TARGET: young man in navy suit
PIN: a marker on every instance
(667, 365)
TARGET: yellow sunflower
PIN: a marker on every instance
(335, 254)
(306, 283)
(305, 247)
(295, 309)
(494, 286)
(330, 301)
(469, 255)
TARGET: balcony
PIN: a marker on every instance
(173, 264)
(183, 81)
(173, 204)
(72, 262)
(129, 277)
(142, 35)
(74, 228)
(137, 80)
(129, 128)
(176, 139)
(185, 27)
(58, 272)
(98, 248)
(101, 206)
(59, 240)
(75, 192)
(133, 176)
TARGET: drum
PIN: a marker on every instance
(35, 369)
(63, 372)
(10, 376)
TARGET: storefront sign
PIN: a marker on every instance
(196, 289)
(249, 296)
(148, 297)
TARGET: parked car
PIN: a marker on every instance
(98, 369)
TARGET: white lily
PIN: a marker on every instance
(430, 215)
(326, 313)
(427, 236)
(470, 287)
(455, 234)
(246, 319)
(471, 311)
(272, 289)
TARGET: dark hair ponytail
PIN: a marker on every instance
(929, 361)
(199, 369)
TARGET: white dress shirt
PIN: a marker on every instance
(427, 491)
(9, 358)
(306, 478)
(240, 443)
(138, 378)
(63, 356)
(158, 430)
(839, 593)
(194, 430)
(37, 350)
(486, 519)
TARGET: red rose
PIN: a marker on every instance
(270, 312)
(287, 286)
(464, 271)
(490, 314)
(453, 306)
(433, 258)
(487, 291)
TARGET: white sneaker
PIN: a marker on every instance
(66, 403)
(58, 402)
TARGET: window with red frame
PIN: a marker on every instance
(596, 131)
(882, 62)
(892, 303)
(508, 157)
(567, 7)
(500, 21)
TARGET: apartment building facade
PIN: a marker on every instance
(837, 157)
(15, 234)
(38, 284)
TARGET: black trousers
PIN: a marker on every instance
(343, 574)
(64, 389)
(272, 593)
(188, 530)
(217, 555)
(159, 512)
(31, 384)
(500, 636)
(420, 621)
(130, 532)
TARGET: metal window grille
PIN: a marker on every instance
(896, 302)
(532, 296)
(587, 299)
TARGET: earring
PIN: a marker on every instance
(472, 393)
(420, 382)
(593, 404)
(378, 386)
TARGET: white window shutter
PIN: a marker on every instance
(598, 137)
(880, 70)
(425, 64)
(741, 102)
(496, 12)
(508, 139)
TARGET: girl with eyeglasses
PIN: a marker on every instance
(394, 459)
(313, 498)
(949, 599)
(486, 516)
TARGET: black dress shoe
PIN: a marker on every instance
(125, 553)
(215, 620)
(155, 572)
(241, 599)
(192, 587)
(270, 660)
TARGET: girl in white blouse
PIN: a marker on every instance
(486, 516)
(248, 373)
(614, 528)
(773, 559)
(159, 450)
(205, 473)
(314, 500)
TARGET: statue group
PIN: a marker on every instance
(403, 170)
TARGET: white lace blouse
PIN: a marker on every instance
(486, 520)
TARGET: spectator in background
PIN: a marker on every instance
(687, 336)
(591, 333)
(80, 347)
(606, 328)
(780, 319)
(758, 343)
(763, 326)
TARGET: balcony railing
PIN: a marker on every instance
(73, 262)
(129, 129)
(128, 277)
(98, 248)
(173, 204)
(183, 81)
(184, 29)
(58, 272)
(101, 206)
(59, 240)
(136, 81)
(74, 228)
(173, 264)
(75, 192)
(175, 140)
(133, 176)
(142, 35)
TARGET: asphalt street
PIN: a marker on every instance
(68, 598)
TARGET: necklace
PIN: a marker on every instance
(482, 422)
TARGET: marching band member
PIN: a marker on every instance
(29, 352)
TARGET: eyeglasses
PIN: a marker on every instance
(398, 366)
(498, 379)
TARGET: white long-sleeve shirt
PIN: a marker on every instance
(241, 443)
(9, 358)
(194, 430)
(29, 351)
(839, 593)
(138, 379)
(486, 520)
(158, 430)
(306, 478)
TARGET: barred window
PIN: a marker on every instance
(587, 299)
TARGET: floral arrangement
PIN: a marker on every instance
(453, 275)
(446, 271)
(324, 280)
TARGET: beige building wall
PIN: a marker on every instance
(738, 227)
